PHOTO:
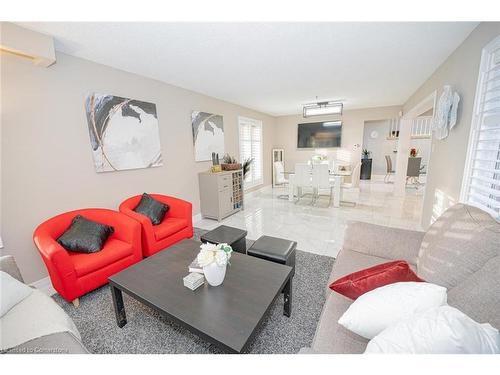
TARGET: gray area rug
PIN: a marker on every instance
(149, 332)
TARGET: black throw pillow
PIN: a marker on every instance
(85, 236)
(152, 209)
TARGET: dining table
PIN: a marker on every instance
(336, 176)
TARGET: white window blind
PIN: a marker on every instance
(481, 186)
(251, 147)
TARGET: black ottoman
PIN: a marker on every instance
(281, 251)
(234, 237)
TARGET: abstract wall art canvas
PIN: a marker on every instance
(123, 133)
(208, 135)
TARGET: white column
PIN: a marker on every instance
(291, 187)
(402, 157)
(337, 191)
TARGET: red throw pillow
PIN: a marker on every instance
(358, 283)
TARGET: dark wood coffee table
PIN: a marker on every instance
(227, 316)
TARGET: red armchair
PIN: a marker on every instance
(74, 274)
(176, 225)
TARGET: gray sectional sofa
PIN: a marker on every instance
(460, 251)
(38, 322)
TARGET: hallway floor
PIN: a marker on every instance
(320, 229)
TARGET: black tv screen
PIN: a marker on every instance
(319, 134)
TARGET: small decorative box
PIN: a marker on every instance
(193, 280)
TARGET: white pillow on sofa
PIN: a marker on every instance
(380, 308)
(441, 330)
(12, 292)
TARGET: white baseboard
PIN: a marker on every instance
(44, 285)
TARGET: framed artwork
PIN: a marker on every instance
(208, 135)
(123, 133)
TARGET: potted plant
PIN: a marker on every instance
(214, 260)
(246, 166)
(230, 163)
(366, 153)
(413, 152)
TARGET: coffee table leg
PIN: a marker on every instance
(121, 318)
(287, 292)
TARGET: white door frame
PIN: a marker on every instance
(427, 103)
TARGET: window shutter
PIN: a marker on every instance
(251, 147)
(482, 173)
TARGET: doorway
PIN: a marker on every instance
(415, 132)
(379, 143)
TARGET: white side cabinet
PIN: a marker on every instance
(221, 194)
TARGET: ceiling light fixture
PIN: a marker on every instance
(322, 109)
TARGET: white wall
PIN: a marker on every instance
(47, 165)
(285, 133)
(446, 168)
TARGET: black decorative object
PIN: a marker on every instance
(152, 209)
(277, 250)
(366, 169)
(234, 237)
(85, 236)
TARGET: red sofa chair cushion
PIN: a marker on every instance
(168, 227)
(112, 251)
(360, 282)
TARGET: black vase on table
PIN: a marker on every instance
(366, 169)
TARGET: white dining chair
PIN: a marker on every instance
(279, 176)
(303, 180)
(354, 178)
(353, 183)
(331, 164)
(321, 181)
(390, 171)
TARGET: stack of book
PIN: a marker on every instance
(195, 266)
(193, 280)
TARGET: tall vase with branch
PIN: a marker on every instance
(246, 166)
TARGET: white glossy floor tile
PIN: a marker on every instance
(320, 229)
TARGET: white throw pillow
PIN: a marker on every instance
(12, 292)
(380, 308)
(441, 330)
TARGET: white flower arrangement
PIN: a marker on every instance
(211, 253)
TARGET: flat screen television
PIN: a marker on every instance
(324, 134)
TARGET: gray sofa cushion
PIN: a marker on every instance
(330, 336)
(36, 316)
(349, 261)
(57, 343)
(8, 264)
(382, 241)
(479, 295)
(458, 244)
